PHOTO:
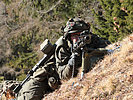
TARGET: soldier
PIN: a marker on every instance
(62, 63)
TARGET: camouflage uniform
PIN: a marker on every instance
(48, 76)
(56, 68)
(37, 85)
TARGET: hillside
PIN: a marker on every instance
(25, 24)
(110, 79)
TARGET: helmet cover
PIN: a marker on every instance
(75, 25)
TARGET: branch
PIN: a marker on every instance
(44, 12)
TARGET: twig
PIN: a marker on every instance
(44, 12)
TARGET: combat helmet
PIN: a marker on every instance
(75, 25)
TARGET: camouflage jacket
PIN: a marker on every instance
(62, 56)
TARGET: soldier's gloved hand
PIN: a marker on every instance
(110, 51)
(74, 60)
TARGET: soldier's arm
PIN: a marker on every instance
(62, 56)
(99, 51)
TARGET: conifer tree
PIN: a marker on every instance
(114, 19)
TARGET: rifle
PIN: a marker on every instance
(48, 49)
(84, 39)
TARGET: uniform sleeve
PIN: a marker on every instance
(62, 56)
(99, 51)
(98, 42)
(91, 57)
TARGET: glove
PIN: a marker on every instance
(74, 60)
(110, 51)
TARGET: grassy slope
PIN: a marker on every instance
(110, 79)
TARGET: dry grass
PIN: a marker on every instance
(110, 79)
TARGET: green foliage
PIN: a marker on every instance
(56, 9)
(7, 1)
(21, 77)
(116, 20)
(23, 54)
